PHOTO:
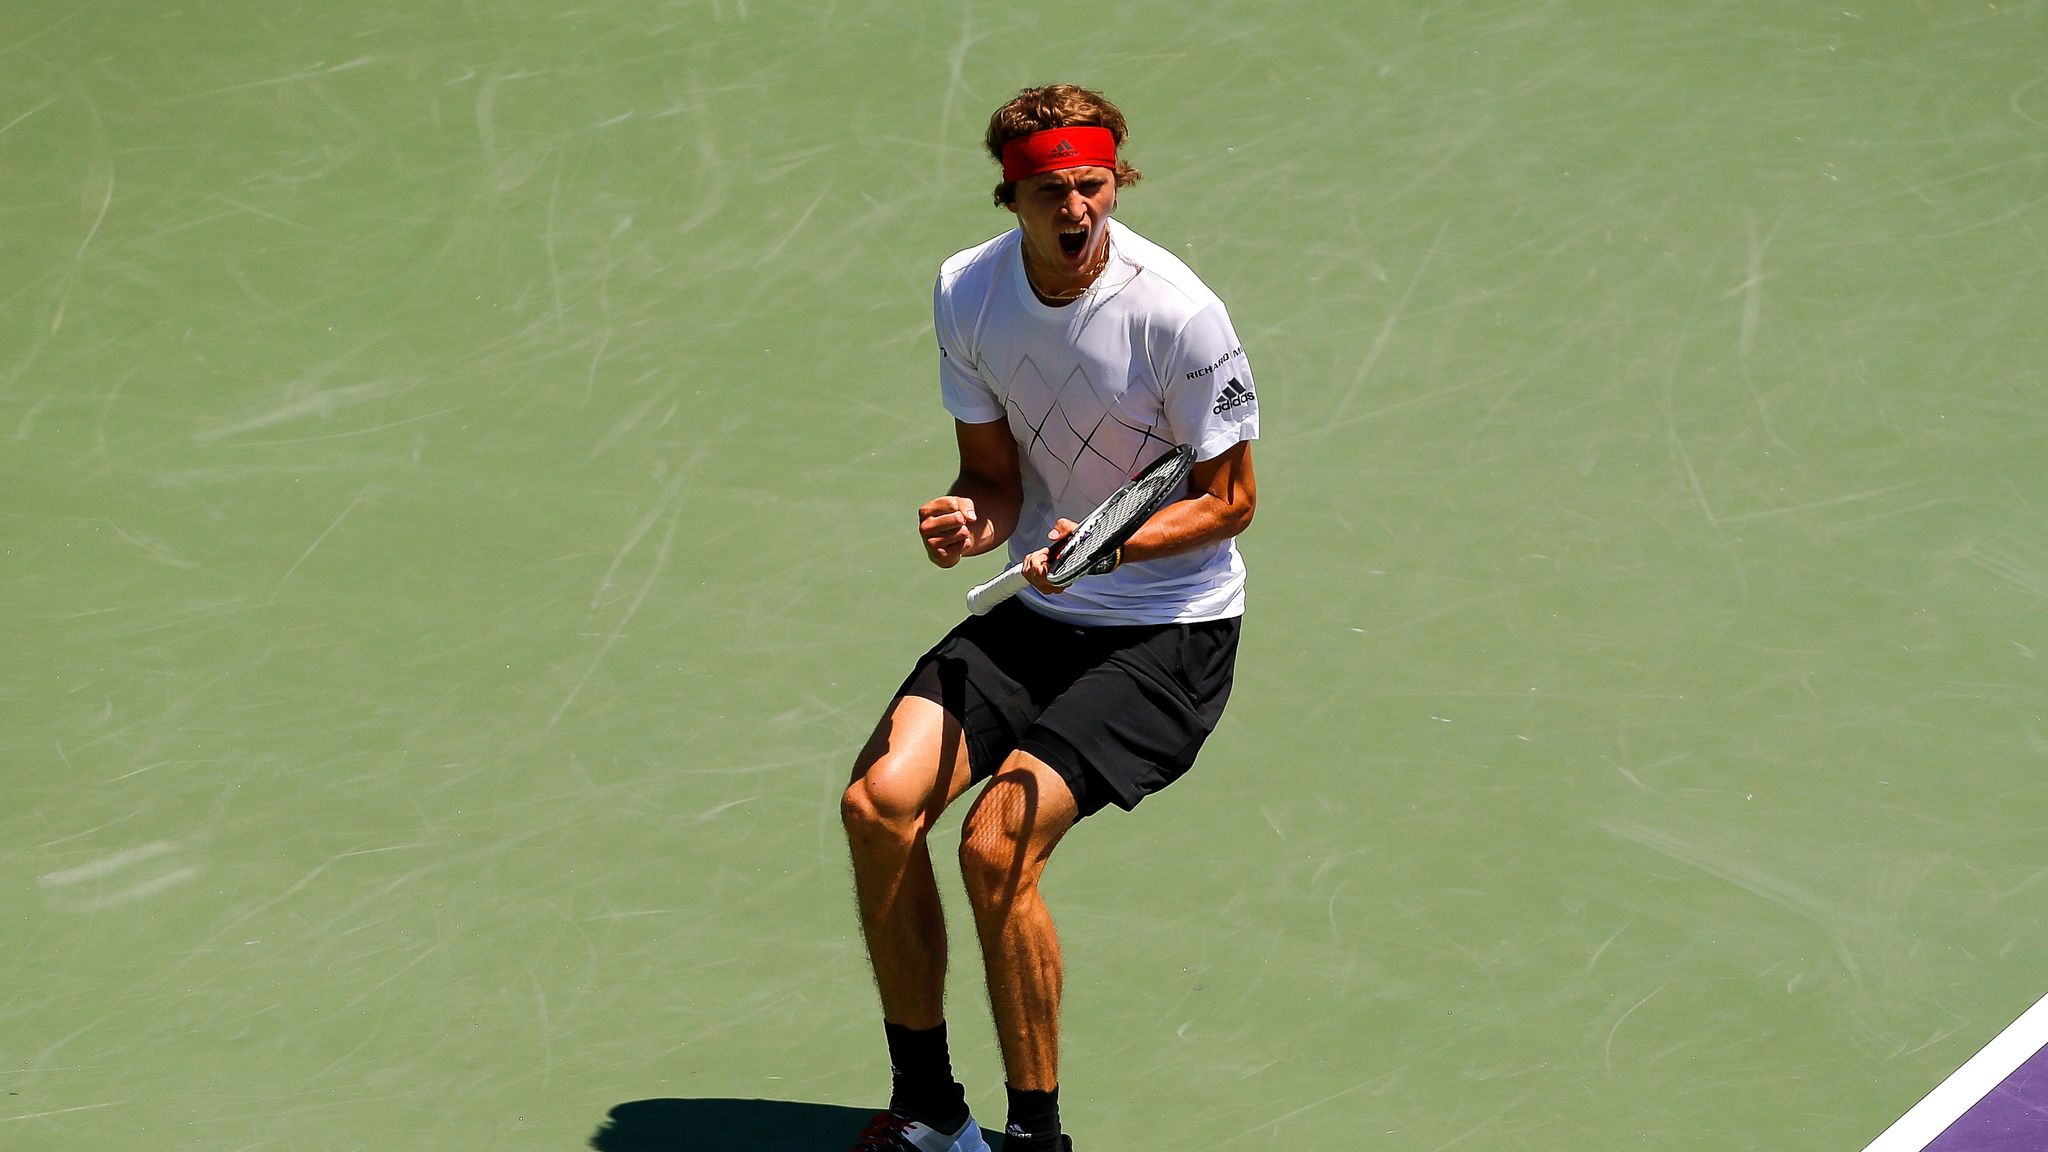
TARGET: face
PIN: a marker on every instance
(1065, 217)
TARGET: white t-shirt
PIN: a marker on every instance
(1093, 391)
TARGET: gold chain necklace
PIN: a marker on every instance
(1091, 272)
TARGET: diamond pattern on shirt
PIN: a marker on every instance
(1074, 433)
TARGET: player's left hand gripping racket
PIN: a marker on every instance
(1091, 546)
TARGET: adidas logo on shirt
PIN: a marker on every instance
(1234, 395)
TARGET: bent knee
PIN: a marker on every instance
(877, 806)
(993, 858)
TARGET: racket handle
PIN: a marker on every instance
(983, 597)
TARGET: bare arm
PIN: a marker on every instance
(979, 511)
(1222, 495)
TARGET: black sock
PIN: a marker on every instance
(923, 1084)
(1034, 1121)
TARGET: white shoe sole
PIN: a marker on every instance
(969, 1139)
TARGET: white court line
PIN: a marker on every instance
(1968, 1084)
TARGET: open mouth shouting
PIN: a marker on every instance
(1065, 218)
(1082, 248)
(1070, 264)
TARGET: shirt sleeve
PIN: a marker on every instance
(1210, 399)
(966, 395)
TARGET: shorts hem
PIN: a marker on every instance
(1091, 792)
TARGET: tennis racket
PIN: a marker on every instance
(1091, 547)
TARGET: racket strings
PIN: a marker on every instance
(1111, 524)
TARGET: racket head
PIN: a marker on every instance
(1116, 519)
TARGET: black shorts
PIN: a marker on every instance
(1119, 712)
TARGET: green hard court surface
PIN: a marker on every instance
(457, 465)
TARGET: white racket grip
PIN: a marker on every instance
(983, 597)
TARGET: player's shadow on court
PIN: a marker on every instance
(739, 1125)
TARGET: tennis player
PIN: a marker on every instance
(1072, 351)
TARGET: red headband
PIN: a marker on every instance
(1057, 148)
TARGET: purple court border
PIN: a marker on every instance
(2012, 1117)
(1998, 1102)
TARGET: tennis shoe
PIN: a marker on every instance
(895, 1132)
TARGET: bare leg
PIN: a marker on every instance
(1009, 834)
(912, 767)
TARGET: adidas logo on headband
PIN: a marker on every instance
(1079, 146)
